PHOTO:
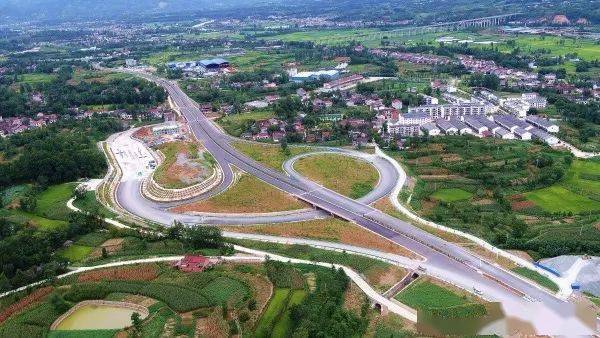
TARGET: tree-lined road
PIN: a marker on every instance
(547, 314)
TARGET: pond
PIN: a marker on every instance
(91, 316)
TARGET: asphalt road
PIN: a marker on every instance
(547, 314)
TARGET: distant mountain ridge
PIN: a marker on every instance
(105, 9)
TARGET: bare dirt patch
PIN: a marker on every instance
(212, 326)
(353, 298)
(384, 278)
(521, 254)
(110, 246)
(142, 272)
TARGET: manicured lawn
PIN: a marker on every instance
(235, 124)
(268, 154)
(51, 203)
(343, 174)
(76, 253)
(451, 195)
(275, 307)
(249, 194)
(558, 199)
(536, 277)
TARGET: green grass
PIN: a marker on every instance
(82, 333)
(346, 175)
(20, 216)
(583, 177)
(284, 324)
(451, 195)
(235, 124)
(558, 199)
(276, 305)
(585, 49)
(51, 203)
(89, 203)
(361, 264)
(268, 154)
(536, 277)
(75, 252)
(424, 295)
(36, 78)
(439, 302)
(223, 289)
(331, 36)
(34, 322)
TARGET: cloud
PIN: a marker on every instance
(162, 4)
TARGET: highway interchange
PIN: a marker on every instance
(520, 299)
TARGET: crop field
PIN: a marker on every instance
(260, 60)
(248, 194)
(235, 124)
(330, 229)
(161, 58)
(346, 175)
(451, 195)
(536, 277)
(330, 36)
(269, 154)
(558, 46)
(223, 289)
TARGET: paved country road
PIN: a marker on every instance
(546, 313)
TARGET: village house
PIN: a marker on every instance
(194, 263)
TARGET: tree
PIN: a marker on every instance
(4, 282)
(200, 236)
(284, 147)
(136, 322)
(59, 303)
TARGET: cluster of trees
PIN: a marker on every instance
(321, 314)
(59, 95)
(62, 152)
(490, 81)
(27, 254)
(198, 237)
